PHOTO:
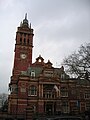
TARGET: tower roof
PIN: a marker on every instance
(25, 22)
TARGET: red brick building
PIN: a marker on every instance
(39, 88)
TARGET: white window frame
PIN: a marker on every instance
(33, 73)
(32, 89)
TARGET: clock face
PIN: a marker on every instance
(23, 56)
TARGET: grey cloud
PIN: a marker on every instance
(60, 26)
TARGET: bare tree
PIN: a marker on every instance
(3, 102)
(78, 63)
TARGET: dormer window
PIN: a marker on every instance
(32, 73)
(62, 76)
(39, 60)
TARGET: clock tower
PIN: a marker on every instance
(22, 61)
(23, 47)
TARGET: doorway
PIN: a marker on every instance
(49, 108)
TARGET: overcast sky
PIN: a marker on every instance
(60, 27)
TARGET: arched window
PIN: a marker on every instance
(24, 41)
(20, 40)
(28, 41)
(33, 74)
(32, 91)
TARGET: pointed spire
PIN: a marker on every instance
(25, 21)
(26, 16)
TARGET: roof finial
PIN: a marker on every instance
(26, 16)
(30, 25)
(21, 24)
